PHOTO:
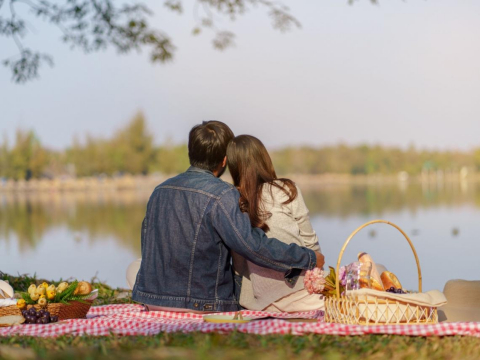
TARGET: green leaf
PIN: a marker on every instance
(27, 298)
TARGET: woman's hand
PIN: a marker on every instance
(320, 259)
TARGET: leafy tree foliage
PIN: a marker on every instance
(92, 25)
(367, 160)
(132, 150)
(26, 159)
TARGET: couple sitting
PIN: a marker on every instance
(196, 226)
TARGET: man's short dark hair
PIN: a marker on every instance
(207, 144)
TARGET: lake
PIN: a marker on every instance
(81, 235)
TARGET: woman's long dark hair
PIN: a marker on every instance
(251, 167)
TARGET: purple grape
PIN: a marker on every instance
(41, 320)
(53, 318)
(46, 314)
(41, 312)
(24, 313)
(32, 311)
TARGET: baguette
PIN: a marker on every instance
(11, 320)
(83, 288)
(374, 284)
(377, 284)
(390, 280)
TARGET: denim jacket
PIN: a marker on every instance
(192, 222)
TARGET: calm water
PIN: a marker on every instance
(75, 235)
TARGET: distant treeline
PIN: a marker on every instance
(132, 150)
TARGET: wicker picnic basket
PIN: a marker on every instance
(75, 309)
(375, 310)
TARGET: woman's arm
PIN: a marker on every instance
(300, 214)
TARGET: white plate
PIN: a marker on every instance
(222, 319)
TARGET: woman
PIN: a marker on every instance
(277, 207)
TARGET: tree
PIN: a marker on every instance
(27, 159)
(476, 156)
(171, 158)
(92, 25)
(132, 149)
(4, 158)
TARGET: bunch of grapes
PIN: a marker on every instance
(32, 316)
(395, 291)
(314, 281)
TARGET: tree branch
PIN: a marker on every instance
(92, 25)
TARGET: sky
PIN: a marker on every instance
(395, 74)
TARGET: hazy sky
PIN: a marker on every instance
(398, 73)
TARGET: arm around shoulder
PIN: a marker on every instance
(235, 229)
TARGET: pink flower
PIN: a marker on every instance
(314, 281)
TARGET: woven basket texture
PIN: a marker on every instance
(75, 309)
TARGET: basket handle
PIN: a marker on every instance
(337, 281)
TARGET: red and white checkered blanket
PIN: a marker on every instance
(132, 320)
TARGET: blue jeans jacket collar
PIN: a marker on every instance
(200, 170)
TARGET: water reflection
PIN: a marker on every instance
(347, 200)
(28, 217)
(105, 227)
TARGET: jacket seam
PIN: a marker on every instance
(192, 256)
(229, 188)
(218, 270)
(181, 298)
(187, 189)
(246, 244)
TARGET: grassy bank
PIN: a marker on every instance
(240, 346)
(231, 346)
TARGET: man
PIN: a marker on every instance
(192, 222)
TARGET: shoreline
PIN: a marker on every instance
(149, 182)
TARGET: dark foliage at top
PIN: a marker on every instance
(93, 25)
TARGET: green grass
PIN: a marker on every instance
(232, 346)
(240, 346)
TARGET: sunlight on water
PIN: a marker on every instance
(77, 235)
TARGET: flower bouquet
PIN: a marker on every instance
(318, 281)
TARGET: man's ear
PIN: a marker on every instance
(224, 163)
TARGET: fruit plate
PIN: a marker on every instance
(224, 319)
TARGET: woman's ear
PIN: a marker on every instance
(224, 163)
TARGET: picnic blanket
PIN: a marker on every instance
(133, 320)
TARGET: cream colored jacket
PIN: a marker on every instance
(290, 224)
